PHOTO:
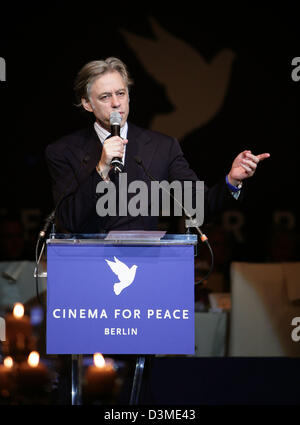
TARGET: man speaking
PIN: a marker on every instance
(79, 161)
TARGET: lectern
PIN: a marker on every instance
(127, 293)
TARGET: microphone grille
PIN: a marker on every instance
(115, 118)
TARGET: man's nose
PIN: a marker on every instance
(115, 102)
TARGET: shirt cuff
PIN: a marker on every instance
(235, 190)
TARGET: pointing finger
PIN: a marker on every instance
(263, 156)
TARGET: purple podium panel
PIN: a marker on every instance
(120, 299)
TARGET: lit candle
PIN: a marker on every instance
(100, 378)
(19, 338)
(6, 377)
(17, 323)
(33, 375)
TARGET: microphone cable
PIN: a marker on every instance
(203, 237)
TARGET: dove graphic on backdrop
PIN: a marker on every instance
(125, 274)
(188, 77)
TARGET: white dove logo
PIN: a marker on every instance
(125, 274)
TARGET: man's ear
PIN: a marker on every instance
(86, 104)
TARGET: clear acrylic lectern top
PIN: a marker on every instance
(125, 238)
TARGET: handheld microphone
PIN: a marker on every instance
(115, 122)
(203, 237)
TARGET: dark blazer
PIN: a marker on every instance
(72, 161)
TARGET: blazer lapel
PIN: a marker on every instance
(93, 150)
(88, 153)
(140, 144)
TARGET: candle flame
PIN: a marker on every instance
(8, 362)
(99, 360)
(33, 359)
(18, 310)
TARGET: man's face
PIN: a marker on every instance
(107, 94)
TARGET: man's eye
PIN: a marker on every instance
(121, 93)
(104, 97)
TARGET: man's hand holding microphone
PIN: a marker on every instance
(113, 149)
